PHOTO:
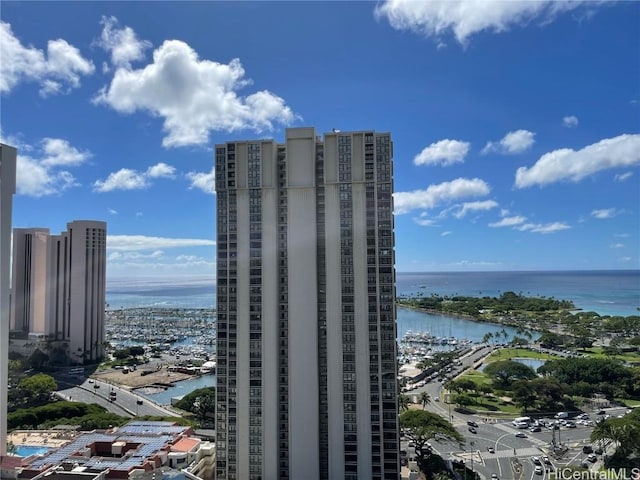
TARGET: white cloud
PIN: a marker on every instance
(130, 243)
(465, 18)
(544, 228)
(509, 221)
(122, 43)
(59, 71)
(604, 213)
(37, 180)
(447, 233)
(134, 255)
(123, 179)
(435, 194)
(570, 121)
(445, 152)
(519, 222)
(112, 211)
(621, 177)
(571, 165)
(59, 152)
(475, 206)
(517, 141)
(204, 181)
(128, 179)
(161, 170)
(617, 245)
(424, 220)
(625, 259)
(193, 96)
(38, 174)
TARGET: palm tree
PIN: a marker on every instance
(424, 398)
(403, 402)
(602, 432)
(487, 337)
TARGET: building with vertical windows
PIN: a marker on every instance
(29, 280)
(306, 332)
(7, 189)
(58, 289)
(77, 286)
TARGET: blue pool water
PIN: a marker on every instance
(26, 450)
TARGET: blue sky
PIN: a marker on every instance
(516, 125)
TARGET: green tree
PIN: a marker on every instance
(403, 402)
(200, 402)
(420, 426)
(424, 399)
(121, 354)
(504, 372)
(136, 351)
(38, 387)
(524, 395)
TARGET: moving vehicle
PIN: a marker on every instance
(472, 424)
(521, 422)
(538, 470)
(473, 430)
(521, 435)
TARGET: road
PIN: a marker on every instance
(126, 403)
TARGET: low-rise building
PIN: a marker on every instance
(139, 450)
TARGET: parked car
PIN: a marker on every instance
(592, 457)
(587, 449)
(535, 429)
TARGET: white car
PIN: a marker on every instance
(538, 470)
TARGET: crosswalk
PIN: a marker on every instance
(504, 453)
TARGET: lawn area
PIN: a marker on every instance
(476, 377)
(508, 353)
(598, 352)
(628, 402)
(487, 405)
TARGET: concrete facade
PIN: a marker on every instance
(29, 280)
(59, 287)
(8, 157)
(306, 372)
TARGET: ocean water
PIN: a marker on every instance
(605, 292)
(179, 292)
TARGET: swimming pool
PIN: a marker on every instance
(26, 450)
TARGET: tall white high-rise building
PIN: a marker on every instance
(77, 286)
(7, 189)
(29, 280)
(306, 328)
(59, 284)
